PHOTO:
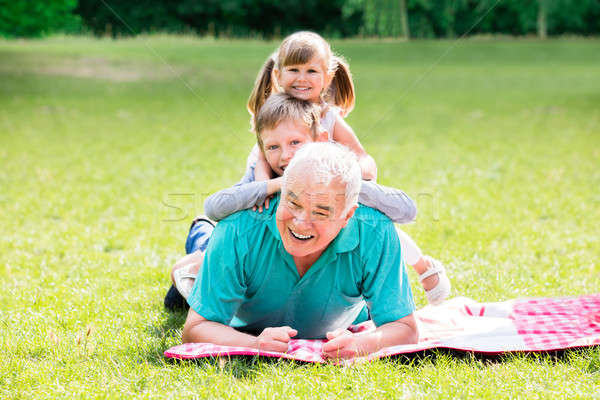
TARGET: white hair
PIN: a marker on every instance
(325, 162)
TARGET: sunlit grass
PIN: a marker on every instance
(108, 149)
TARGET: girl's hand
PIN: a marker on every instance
(262, 171)
(368, 167)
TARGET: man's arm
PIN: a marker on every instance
(344, 344)
(197, 329)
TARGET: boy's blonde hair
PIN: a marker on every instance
(283, 107)
(300, 48)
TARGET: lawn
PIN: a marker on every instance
(108, 149)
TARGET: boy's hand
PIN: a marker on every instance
(266, 205)
(273, 186)
(275, 339)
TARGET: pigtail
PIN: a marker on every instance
(263, 87)
(341, 89)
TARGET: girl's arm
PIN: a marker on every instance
(343, 134)
(394, 203)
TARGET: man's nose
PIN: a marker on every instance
(302, 219)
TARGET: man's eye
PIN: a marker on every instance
(321, 214)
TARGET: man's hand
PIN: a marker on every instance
(342, 344)
(275, 339)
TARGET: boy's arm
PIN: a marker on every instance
(343, 134)
(394, 203)
(243, 195)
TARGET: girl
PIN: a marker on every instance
(305, 67)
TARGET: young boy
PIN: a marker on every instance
(283, 125)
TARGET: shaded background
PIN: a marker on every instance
(274, 18)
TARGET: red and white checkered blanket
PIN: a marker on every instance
(525, 325)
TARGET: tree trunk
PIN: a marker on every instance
(542, 26)
(404, 20)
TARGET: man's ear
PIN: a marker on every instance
(349, 214)
(322, 135)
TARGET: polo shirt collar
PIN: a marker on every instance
(347, 239)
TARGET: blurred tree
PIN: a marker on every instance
(404, 19)
(34, 18)
(219, 18)
(275, 18)
(542, 19)
(574, 16)
(388, 18)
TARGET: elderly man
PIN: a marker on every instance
(307, 269)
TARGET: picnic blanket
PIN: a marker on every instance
(522, 325)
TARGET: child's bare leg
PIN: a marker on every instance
(431, 272)
(195, 259)
(420, 267)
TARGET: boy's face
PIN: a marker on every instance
(281, 143)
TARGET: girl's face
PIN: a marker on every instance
(304, 81)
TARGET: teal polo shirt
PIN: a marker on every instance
(250, 282)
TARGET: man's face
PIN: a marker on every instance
(310, 215)
(281, 143)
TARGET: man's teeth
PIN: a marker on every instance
(299, 236)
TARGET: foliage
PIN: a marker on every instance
(275, 18)
(34, 18)
(219, 18)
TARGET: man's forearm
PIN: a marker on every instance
(205, 331)
(391, 334)
(197, 329)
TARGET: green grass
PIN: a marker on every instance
(108, 149)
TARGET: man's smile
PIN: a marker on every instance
(300, 236)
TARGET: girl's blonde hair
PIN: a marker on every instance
(300, 48)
